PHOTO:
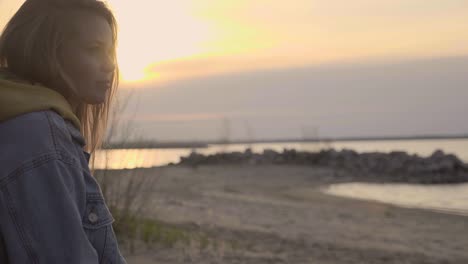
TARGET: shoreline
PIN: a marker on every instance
(437, 209)
(276, 214)
(205, 144)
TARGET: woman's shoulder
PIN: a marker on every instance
(36, 134)
(27, 131)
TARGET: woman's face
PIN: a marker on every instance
(88, 61)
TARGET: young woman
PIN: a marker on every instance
(57, 78)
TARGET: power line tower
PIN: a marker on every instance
(250, 136)
(310, 134)
(225, 131)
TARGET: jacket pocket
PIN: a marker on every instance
(97, 223)
(97, 214)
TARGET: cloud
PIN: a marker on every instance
(385, 98)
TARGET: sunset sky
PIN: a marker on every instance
(207, 49)
(180, 38)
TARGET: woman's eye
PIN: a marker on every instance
(99, 50)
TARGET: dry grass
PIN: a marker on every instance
(127, 196)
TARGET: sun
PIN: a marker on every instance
(134, 68)
(150, 34)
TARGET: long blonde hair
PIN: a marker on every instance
(30, 46)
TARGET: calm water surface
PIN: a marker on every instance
(145, 158)
(449, 198)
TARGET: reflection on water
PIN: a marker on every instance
(451, 198)
(137, 158)
(145, 158)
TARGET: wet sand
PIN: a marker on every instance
(277, 214)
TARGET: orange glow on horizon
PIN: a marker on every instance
(183, 38)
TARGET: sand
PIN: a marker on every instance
(277, 214)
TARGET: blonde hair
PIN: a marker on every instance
(30, 48)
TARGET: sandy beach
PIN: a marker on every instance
(277, 214)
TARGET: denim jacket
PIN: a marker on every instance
(51, 208)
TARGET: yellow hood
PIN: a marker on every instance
(17, 97)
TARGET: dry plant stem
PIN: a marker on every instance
(146, 194)
(126, 194)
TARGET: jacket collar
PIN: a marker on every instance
(75, 133)
(20, 97)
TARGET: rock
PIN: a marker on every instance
(289, 155)
(270, 154)
(437, 154)
(248, 152)
(394, 166)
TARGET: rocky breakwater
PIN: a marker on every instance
(375, 166)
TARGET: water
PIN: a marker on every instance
(146, 158)
(448, 198)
